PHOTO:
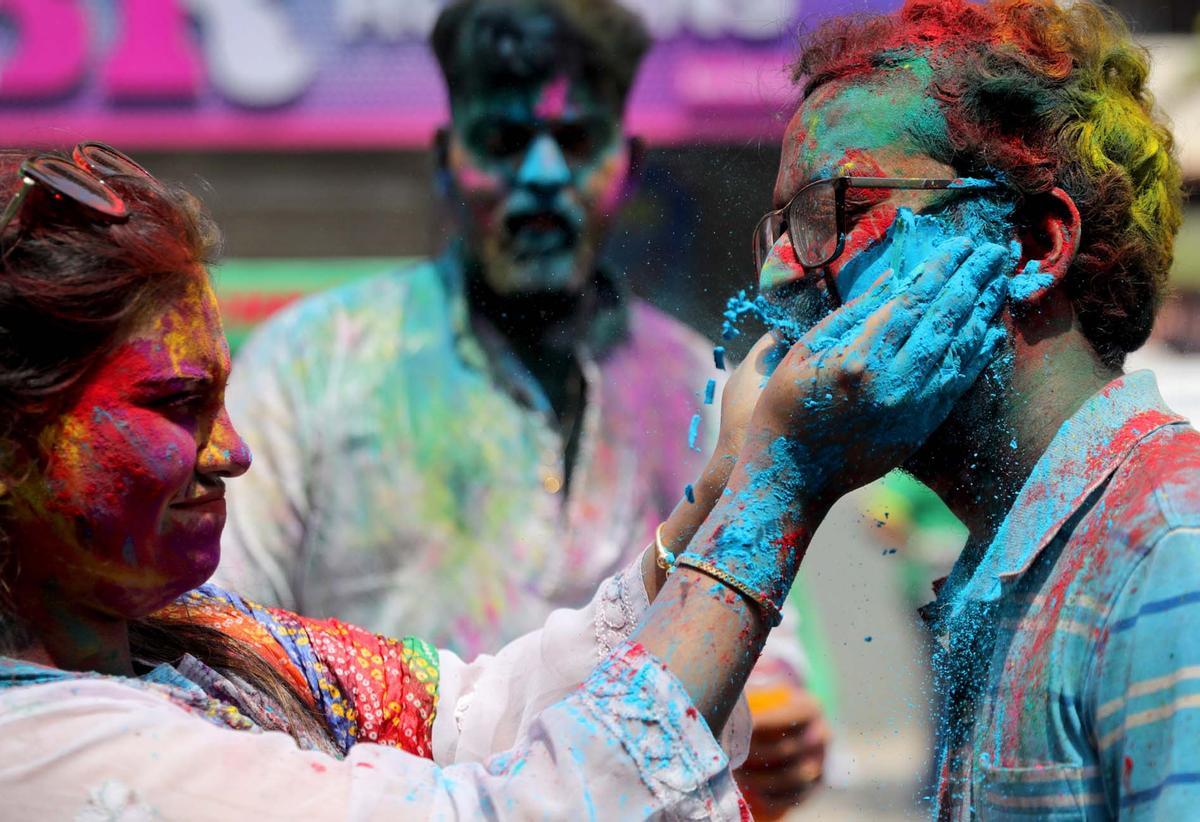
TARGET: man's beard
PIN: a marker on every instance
(975, 432)
(792, 309)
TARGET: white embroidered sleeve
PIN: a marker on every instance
(485, 705)
(626, 745)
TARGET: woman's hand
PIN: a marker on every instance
(738, 400)
(850, 401)
(857, 395)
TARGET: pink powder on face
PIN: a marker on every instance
(606, 187)
(551, 102)
(128, 509)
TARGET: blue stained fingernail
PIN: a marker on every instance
(690, 493)
(719, 357)
(710, 391)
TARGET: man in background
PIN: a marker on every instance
(491, 433)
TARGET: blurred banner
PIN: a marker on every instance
(336, 74)
(252, 290)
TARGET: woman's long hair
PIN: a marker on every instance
(70, 289)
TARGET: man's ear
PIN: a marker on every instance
(1049, 242)
(441, 159)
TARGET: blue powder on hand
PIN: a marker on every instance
(1030, 281)
(710, 391)
(694, 432)
(719, 357)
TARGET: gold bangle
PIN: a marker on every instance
(771, 614)
(662, 557)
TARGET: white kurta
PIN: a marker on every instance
(515, 737)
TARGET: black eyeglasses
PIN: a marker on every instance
(80, 180)
(815, 219)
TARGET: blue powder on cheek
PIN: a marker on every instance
(913, 238)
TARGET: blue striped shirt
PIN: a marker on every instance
(1070, 654)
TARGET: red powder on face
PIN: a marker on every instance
(867, 230)
(122, 519)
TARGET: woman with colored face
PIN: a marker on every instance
(128, 686)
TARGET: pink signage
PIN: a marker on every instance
(347, 73)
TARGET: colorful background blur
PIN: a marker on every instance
(305, 125)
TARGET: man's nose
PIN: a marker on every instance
(544, 168)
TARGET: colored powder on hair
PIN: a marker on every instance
(975, 182)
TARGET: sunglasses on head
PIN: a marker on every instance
(79, 180)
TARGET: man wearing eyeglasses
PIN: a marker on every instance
(1018, 134)
(490, 434)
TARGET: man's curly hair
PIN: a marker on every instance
(487, 44)
(1046, 95)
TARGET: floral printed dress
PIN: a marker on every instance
(368, 687)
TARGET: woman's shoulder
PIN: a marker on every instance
(41, 694)
(370, 688)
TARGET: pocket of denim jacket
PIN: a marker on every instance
(1055, 792)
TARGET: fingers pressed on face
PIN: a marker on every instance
(974, 364)
(830, 331)
(886, 331)
(943, 318)
(974, 333)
